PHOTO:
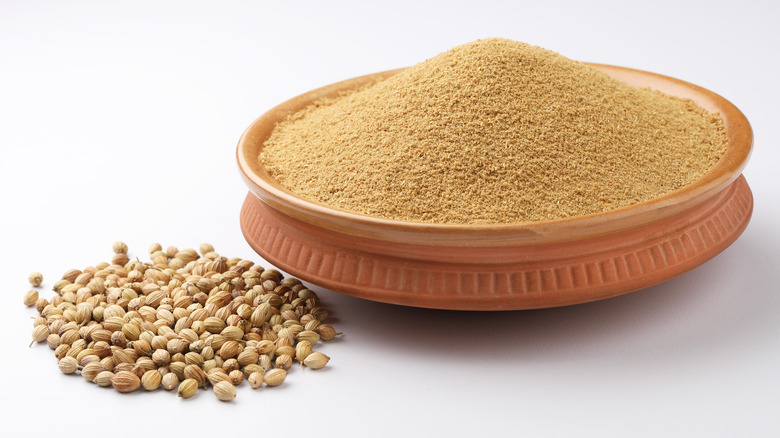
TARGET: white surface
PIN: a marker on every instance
(118, 120)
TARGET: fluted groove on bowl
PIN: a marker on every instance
(593, 269)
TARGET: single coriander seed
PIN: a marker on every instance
(35, 279)
(236, 377)
(30, 298)
(316, 360)
(206, 248)
(275, 377)
(302, 350)
(217, 375)
(326, 332)
(187, 388)
(120, 248)
(151, 380)
(120, 259)
(284, 362)
(53, 341)
(104, 378)
(170, 381)
(225, 391)
(125, 381)
(255, 380)
(68, 365)
(71, 275)
(40, 333)
(196, 373)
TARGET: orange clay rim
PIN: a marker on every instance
(726, 170)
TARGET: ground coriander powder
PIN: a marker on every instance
(494, 131)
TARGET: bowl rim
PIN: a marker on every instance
(725, 171)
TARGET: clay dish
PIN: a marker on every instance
(507, 266)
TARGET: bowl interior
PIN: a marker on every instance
(278, 197)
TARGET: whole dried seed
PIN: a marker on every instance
(316, 360)
(151, 380)
(255, 379)
(225, 391)
(170, 381)
(185, 320)
(275, 377)
(30, 298)
(187, 388)
(104, 378)
(35, 279)
(68, 365)
(125, 381)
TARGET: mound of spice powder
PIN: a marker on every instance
(494, 131)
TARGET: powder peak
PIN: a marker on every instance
(493, 131)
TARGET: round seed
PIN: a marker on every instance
(68, 365)
(275, 377)
(35, 279)
(30, 298)
(255, 380)
(104, 378)
(187, 388)
(170, 381)
(225, 391)
(125, 381)
(316, 360)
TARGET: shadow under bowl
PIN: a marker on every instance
(504, 266)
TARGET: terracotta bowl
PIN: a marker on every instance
(499, 267)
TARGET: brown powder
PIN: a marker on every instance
(494, 131)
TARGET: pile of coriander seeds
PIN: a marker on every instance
(184, 321)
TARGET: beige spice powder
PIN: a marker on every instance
(494, 131)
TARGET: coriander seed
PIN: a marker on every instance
(326, 332)
(103, 378)
(120, 248)
(302, 351)
(216, 375)
(153, 248)
(255, 380)
(225, 391)
(187, 388)
(90, 371)
(35, 279)
(284, 362)
(40, 333)
(68, 365)
(275, 377)
(125, 381)
(196, 373)
(30, 298)
(308, 335)
(236, 377)
(53, 341)
(316, 360)
(170, 381)
(151, 380)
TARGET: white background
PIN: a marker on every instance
(118, 120)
